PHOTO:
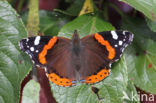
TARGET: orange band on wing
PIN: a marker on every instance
(58, 80)
(43, 53)
(110, 49)
(98, 77)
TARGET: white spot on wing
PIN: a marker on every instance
(124, 32)
(120, 55)
(120, 42)
(122, 49)
(37, 51)
(47, 74)
(33, 62)
(27, 39)
(132, 37)
(46, 70)
(114, 35)
(30, 56)
(32, 48)
(38, 65)
(126, 45)
(37, 40)
(116, 45)
(26, 52)
(110, 65)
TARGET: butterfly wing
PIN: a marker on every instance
(87, 59)
(52, 53)
(60, 63)
(118, 41)
(33, 47)
(101, 49)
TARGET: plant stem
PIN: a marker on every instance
(33, 18)
(19, 7)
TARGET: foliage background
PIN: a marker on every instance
(134, 72)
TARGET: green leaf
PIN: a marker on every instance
(131, 95)
(116, 84)
(71, 11)
(141, 56)
(85, 25)
(13, 67)
(31, 92)
(145, 6)
(50, 22)
(111, 89)
(138, 26)
(151, 24)
(142, 62)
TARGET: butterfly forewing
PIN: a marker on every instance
(33, 46)
(118, 40)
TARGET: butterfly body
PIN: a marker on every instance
(69, 60)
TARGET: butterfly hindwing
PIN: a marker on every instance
(94, 58)
(61, 63)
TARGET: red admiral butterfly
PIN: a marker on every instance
(67, 61)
